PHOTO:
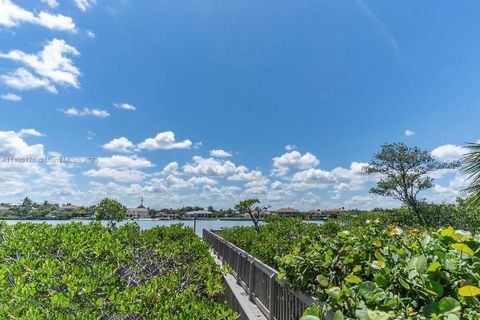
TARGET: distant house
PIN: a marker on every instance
(69, 207)
(4, 208)
(322, 214)
(138, 212)
(287, 212)
(199, 214)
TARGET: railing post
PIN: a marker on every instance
(272, 289)
(238, 271)
(251, 280)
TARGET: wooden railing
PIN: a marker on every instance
(260, 281)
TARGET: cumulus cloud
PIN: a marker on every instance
(11, 97)
(210, 167)
(119, 145)
(29, 132)
(74, 112)
(22, 79)
(170, 168)
(448, 152)
(409, 133)
(293, 159)
(125, 106)
(52, 66)
(12, 15)
(249, 176)
(12, 145)
(164, 141)
(218, 153)
(124, 162)
(123, 175)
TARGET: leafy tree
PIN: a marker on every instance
(471, 167)
(251, 207)
(403, 173)
(112, 210)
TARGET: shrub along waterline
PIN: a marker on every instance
(75, 271)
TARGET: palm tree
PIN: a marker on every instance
(471, 167)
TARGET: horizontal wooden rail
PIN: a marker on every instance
(260, 281)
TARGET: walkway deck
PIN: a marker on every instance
(250, 311)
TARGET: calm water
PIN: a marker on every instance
(146, 224)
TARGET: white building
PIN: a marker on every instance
(199, 214)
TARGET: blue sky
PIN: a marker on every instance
(298, 95)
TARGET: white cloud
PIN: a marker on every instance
(124, 106)
(122, 175)
(51, 3)
(293, 159)
(448, 152)
(210, 167)
(11, 97)
(409, 133)
(74, 112)
(84, 5)
(22, 79)
(12, 15)
(290, 147)
(52, 65)
(119, 145)
(29, 132)
(123, 162)
(170, 168)
(91, 34)
(12, 145)
(246, 176)
(313, 176)
(164, 141)
(218, 153)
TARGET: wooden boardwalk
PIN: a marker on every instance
(249, 310)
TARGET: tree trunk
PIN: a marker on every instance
(417, 210)
(255, 221)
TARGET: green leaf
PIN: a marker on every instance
(419, 263)
(469, 291)
(448, 232)
(379, 256)
(377, 315)
(463, 248)
(434, 288)
(323, 281)
(381, 280)
(338, 315)
(449, 305)
(351, 278)
(434, 266)
(367, 289)
(404, 283)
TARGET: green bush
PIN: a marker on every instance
(374, 273)
(460, 216)
(277, 237)
(75, 271)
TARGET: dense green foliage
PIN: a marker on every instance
(277, 237)
(376, 273)
(471, 167)
(460, 216)
(110, 209)
(378, 265)
(75, 271)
